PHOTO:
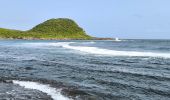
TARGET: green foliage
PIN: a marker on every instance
(61, 28)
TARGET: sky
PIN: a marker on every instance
(135, 19)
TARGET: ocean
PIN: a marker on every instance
(85, 70)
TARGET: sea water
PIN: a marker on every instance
(85, 70)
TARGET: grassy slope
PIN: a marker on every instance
(61, 28)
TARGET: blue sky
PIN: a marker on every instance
(102, 18)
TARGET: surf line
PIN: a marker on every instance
(55, 94)
(101, 51)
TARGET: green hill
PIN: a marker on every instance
(61, 28)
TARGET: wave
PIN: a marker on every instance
(100, 51)
(55, 94)
(91, 42)
(117, 39)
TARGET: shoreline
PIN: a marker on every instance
(54, 39)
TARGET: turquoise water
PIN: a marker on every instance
(85, 70)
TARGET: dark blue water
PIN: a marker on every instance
(85, 70)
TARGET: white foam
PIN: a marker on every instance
(91, 42)
(37, 44)
(117, 39)
(55, 94)
(100, 51)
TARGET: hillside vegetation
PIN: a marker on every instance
(61, 28)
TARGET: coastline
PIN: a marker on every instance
(55, 39)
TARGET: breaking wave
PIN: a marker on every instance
(55, 94)
(100, 51)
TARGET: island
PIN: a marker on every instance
(52, 29)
